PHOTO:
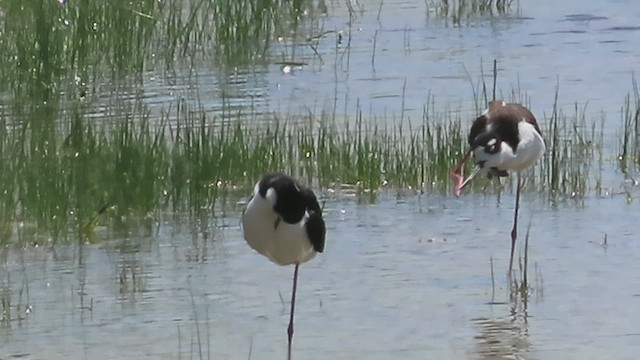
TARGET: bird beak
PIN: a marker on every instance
(474, 172)
(457, 174)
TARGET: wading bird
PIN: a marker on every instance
(506, 137)
(283, 221)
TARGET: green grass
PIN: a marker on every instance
(67, 177)
(47, 47)
(460, 12)
(64, 171)
(61, 171)
(629, 153)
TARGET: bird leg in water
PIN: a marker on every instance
(293, 305)
(514, 231)
(278, 219)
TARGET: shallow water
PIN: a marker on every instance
(586, 48)
(407, 276)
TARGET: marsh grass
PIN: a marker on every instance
(131, 279)
(15, 304)
(6, 311)
(49, 45)
(64, 172)
(629, 153)
(197, 342)
(80, 173)
(573, 142)
(460, 12)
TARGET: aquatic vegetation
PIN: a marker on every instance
(73, 158)
(56, 51)
(629, 153)
(78, 170)
(573, 146)
(459, 11)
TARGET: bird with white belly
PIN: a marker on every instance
(505, 137)
(283, 221)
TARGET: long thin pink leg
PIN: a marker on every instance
(514, 231)
(293, 306)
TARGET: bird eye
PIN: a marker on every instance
(492, 147)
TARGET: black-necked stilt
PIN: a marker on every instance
(283, 221)
(506, 137)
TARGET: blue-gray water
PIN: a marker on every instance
(405, 277)
(588, 49)
(408, 278)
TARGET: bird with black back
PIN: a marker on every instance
(283, 221)
(505, 137)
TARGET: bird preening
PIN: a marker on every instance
(505, 137)
(283, 221)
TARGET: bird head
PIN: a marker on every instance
(483, 146)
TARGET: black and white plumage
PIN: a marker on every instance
(283, 221)
(505, 137)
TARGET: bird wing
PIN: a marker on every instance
(315, 226)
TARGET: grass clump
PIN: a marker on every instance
(49, 47)
(572, 145)
(67, 177)
(460, 11)
(629, 153)
(71, 160)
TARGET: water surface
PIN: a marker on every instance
(404, 276)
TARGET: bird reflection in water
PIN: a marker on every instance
(507, 337)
